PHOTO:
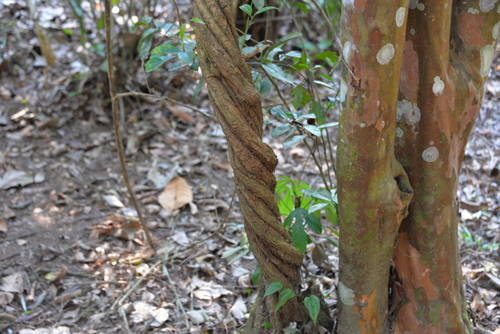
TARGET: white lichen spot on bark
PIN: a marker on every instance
(412, 31)
(486, 59)
(346, 295)
(420, 6)
(399, 132)
(438, 86)
(411, 112)
(362, 124)
(487, 5)
(346, 51)
(400, 16)
(494, 32)
(473, 10)
(343, 90)
(413, 4)
(385, 54)
(430, 154)
(348, 3)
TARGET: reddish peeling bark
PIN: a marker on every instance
(450, 46)
(424, 64)
(373, 189)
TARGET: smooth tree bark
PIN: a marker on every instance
(410, 94)
(237, 106)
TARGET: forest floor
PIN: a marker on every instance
(72, 258)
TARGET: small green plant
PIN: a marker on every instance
(302, 206)
(284, 294)
(312, 303)
(471, 240)
(239, 251)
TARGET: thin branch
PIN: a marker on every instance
(116, 123)
(151, 96)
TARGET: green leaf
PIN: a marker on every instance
(265, 9)
(317, 207)
(313, 129)
(293, 54)
(272, 288)
(165, 49)
(328, 56)
(319, 194)
(302, 7)
(280, 130)
(145, 44)
(299, 236)
(198, 88)
(321, 83)
(333, 242)
(267, 325)
(290, 36)
(313, 223)
(231, 252)
(328, 125)
(182, 30)
(280, 112)
(259, 3)
(177, 65)
(301, 96)
(312, 304)
(295, 140)
(276, 47)
(284, 296)
(239, 255)
(100, 23)
(186, 57)
(320, 113)
(278, 73)
(246, 8)
(331, 214)
(256, 276)
(293, 218)
(265, 87)
(154, 62)
(197, 20)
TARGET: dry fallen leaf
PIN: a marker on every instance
(3, 226)
(181, 114)
(175, 195)
(12, 283)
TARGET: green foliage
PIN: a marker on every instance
(312, 304)
(272, 288)
(283, 297)
(471, 240)
(180, 45)
(239, 251)
(302, 206)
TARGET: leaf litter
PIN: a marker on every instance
(73, 258)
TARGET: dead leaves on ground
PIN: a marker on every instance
(175, 195)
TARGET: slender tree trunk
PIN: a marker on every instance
(423, 63)
(373, 188)
(237, 106)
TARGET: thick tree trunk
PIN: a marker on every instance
(443, 63)
(446, 64)
(237, 106)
